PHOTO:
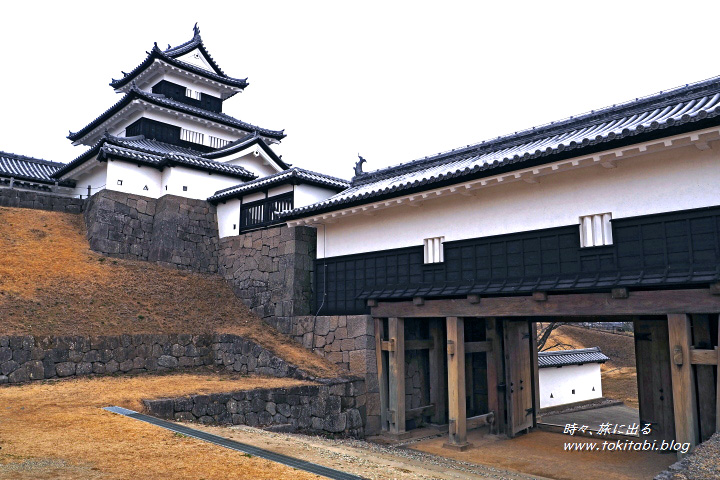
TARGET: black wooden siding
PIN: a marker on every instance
(163, 132)
(262, 213)
(177, 92)
(665, 250)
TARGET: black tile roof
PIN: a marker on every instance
(293, 175)
(153, 153)
(579, 356)
(682, 109)
(161, 100)
(170, 56)
(246, 142)
(588, 282)
(27, 168)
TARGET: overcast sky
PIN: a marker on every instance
(393, 81)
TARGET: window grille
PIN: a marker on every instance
(192, 136)
(433, 249)
(216, 142)
(264, 212)
(192, 93)
(596, 230)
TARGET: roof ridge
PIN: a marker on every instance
(571, 351)
(525, 135)
(40, 161)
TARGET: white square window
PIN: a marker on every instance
(595, 230)
(433, 249)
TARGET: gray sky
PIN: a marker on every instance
(393, 81)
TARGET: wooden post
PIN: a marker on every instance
(683, 380)
(536, 372)
(717, 400)
(492, 375)
(705, 377)
(382, 369)
(456, 384)
(437, 372)
(396, 378)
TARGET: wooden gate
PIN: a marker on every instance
(654, 378)
(518, 376)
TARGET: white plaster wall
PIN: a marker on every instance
(309, 194)
(253, 197)
(560, 382)
(200, 185)
(228, 215)
(261, 165)
(96, 177)
(160, 116)
(134, 178)
(280, 190)
(666, 181)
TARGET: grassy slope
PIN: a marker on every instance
(52, 284)
(619, 377)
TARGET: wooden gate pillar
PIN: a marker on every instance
(382, 372)
(437, 372)
(683, 380)
(396, 375)
(456, 384)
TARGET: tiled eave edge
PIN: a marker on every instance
(143, 105)
(164, 67)
(701, 139)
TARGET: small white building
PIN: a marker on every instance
(570, 376)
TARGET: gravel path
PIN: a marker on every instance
(370, 460)
(702, 464)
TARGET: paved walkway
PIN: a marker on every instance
(616, 414)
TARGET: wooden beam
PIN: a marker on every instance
(456, 385)
(715, 288)
(382, 373)
(396, 377)
(418, 301)
(473, 298)
(437, 372)
(683, 381)
(659, 302)
(420, 411)
(418, 344)
(619, 293)
(480, 420)
(540, 296)
(703, 356)
(388, 345)
(372, 302)
(478, 347)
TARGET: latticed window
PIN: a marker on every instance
(264, 212)
(434, 250)
(596, 230)
(192, 136)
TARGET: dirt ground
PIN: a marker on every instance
(543, 454)
(52, 284)
(619, 375)
(57, 430)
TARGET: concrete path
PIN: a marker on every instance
(614, 415)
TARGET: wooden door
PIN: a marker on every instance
(518, 376)
(652, 357)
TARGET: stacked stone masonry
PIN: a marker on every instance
(175, 231)
(39, 200)
(26, 358)
(336, 407)
(345, 340)
(270, 270)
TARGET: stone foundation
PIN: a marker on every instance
(270, 270)
(10, 197)
(336, 407)
(26, 358)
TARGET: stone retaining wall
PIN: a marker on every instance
(336, 407)
(174, 231)
(10, 197)
(26, 358)
(270, 270)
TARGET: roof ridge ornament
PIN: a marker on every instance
(196, 30)
(359, 166)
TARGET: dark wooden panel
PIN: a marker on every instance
(177, 92)
(705, 376)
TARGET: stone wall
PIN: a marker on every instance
(270, 270)
(10, 197)
(174, 231)
(336, 407)
(347, 341)
(26, 358)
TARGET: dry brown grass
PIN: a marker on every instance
(52, 284)
(619, 375)
(61, 430)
